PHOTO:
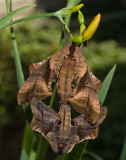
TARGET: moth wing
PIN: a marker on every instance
(45, 119)
(37, 83)
(97, 82)
(86, 99)
(86, 130)
(57, 58)
(93, 134)
(80, 63)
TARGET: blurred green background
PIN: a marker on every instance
(38, 39)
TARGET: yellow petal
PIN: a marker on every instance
(76, 8)
(89, 32)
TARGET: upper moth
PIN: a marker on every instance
(74, 81)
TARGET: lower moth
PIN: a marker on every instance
(57, 128)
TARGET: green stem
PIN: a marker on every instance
(20, 78)
(19, 72)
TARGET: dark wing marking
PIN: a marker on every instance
(45, 119)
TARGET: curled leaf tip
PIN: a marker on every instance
(76, 8)
(89, 32)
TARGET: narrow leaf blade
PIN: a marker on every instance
(105, 86)
(123, 154)
(93, 155)
(9, 16)
(27, 18)
(24, 156)
(27, 139)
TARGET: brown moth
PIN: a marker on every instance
(67, 67)
(75, 82)
(57, 128)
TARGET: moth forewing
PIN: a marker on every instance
(45, 119)
(37, 83)
(86, 99)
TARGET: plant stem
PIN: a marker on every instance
(20, 79)
(19, 72)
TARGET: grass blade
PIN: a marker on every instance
(10, 15)
(27, 139)
(27, 18)
(24, 156)
(105, 86)
(93, 155)
(123, 154)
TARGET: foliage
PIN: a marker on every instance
(27, 40)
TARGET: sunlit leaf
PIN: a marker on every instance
(10, 15)
(27, 18)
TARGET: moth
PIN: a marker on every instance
(76, 84)
(57, 128)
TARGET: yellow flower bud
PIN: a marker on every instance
(76, 8)
(89, 32)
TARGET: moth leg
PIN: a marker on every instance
(76, 86)
(51, 79)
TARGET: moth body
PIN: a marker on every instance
(64, 82)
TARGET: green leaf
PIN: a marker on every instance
(123, 154)
(24, 156)
(93, 155)
(27, 139)
(105, 86)
(10, 15)
(27, 18)
(36, 140)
